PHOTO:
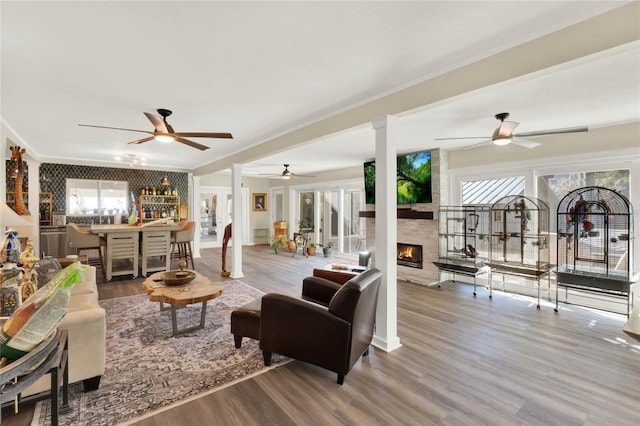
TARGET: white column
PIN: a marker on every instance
(317, 216)
(236, 219)
(386, 227)
(341, 216)
(195, 203)
(34, 203)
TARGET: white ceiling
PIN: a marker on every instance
(261, 70)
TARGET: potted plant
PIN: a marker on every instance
(276, 243)
(326, 249)
(304, 227)
(311, 250)
(292, 245)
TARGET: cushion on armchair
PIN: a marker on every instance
(319, 290)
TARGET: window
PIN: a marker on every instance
(488, 191)
(86, 197)
(306, 210)
(551, 188)
(333, 212)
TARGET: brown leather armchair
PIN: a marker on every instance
(332, 337)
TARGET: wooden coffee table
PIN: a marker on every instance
(198, 290)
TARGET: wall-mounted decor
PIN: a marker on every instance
(413, 179)
(259, 201)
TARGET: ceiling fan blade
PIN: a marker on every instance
(141, 140)
(485, 142)
(191, 143)
(463, 137)
(116, 128)
(205, 135)
(554, 131)
(505, 129)
(158, 122)
(525, 143)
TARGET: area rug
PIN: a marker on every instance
(148, 369)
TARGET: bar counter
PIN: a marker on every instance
(123, 248)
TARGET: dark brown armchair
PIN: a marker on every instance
(332, 337)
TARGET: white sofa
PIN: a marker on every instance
(86, 325)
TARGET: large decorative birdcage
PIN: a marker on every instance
(595, 241)
(519, 239)
(463, 247)
(520, 233)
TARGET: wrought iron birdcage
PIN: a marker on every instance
(463, 247)
(464, 234)
(595, 241)
(520, 233)
(519, 242)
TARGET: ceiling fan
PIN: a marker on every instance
(504, 135)
(163, 131)
(287, 174)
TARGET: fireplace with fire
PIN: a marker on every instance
(409, 255)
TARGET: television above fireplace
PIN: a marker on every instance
(413, 179)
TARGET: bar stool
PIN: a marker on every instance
(182, 241)
(83, 240)
(364, 257)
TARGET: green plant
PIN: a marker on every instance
(277, 243)
(326, 249)
(302, 225)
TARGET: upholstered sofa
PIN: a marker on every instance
(86, 325)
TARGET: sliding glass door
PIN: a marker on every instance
(333, 214)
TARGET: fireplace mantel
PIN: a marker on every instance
(402, 214)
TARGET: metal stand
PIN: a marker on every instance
(469, 271)
(174, 322)
(51, 356)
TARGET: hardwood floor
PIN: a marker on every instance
(464, 360)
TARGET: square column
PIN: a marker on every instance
(386, 134)
(236, 219)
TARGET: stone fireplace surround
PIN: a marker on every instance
(419, 227)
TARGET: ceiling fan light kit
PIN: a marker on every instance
(501, 140)
(164, 138)
(286, 174)
(163, 132)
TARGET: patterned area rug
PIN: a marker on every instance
(148, 369)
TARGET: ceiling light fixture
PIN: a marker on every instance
(132, 160)
(163, 137)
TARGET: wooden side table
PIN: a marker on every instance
(338, 273)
